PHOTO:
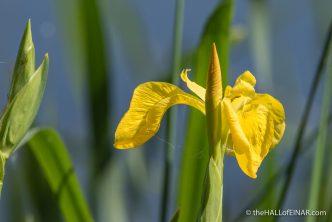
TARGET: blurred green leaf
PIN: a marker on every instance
(195, 154)
(112, 193)
(175, 217)
(53, 158)
(260, 42)
(171, 118)
(98, 83)
(277, 177)
(32, 188)
(2, 171)
(261, 52)
(84, 36)
(68, 15)
(303, 123)
(239, 33)
(130, 36)
(316, 177)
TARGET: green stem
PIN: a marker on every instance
(221, 168)
(319, 155)
(177, 41)
(298, 143)
(211, 209)
(171, 119)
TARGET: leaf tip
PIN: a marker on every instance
(27, 36)
(46, 58)
(45, 63)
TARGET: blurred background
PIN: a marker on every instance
(101, 50)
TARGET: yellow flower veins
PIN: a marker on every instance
(251, 124)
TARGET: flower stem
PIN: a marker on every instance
(171, 119)
(213, 190)
(212, 202)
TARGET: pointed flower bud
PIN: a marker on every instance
(213, 84)
(25, 62)
(27, 89)
(213, 98)
(25, 95)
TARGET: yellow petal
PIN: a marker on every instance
(264, 106)
(246, 157)
(194, 87)
(244, 86)
(148, 105)
(255, 130)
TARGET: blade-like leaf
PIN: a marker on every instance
(261, 51)
(53, 158)
(317, 170)
(195, 154)
(175, 217)
(98, 83)
(2, 171)
(304, 121)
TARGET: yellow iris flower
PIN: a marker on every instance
(248, 124)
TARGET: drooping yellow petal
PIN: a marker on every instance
(263, 106)
(246, 157)
(194, 87)
(148, 105)
(255, 128)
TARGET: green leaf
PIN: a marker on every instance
(84, 35)
(261, 51)
(98, 83)
(304, 122)
(195, 154)
(175, 217)
(53, 158)
(217, 30)
(260, 42)
(213, 205)
(2, 171)
(317, 169)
